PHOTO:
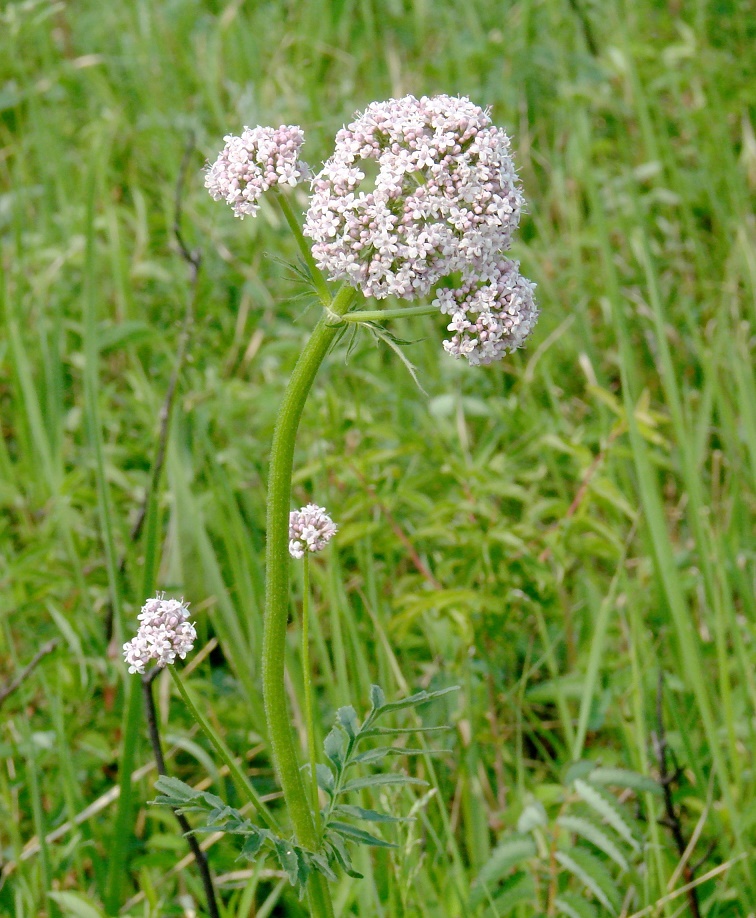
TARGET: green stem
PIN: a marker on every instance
(378, 315)
(307, 676)
(317, 275)
(282, 744)
(238, 777)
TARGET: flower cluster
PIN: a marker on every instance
(445, 195)
(444, 199)
(490, 315)
(163, 635)
(418, 194)
(310, 529)
(249, 165)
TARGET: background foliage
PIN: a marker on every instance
(552, 533)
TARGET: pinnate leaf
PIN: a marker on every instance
(418, 698)
(379, 781)
(334, 746)
(596, 836)
(590, 871)
(358, 812)
(623, 777)
(575, 906)
(607, 807)
(358, 835)
(506, 855)
(347, 717)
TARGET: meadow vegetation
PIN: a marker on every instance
(567, 535)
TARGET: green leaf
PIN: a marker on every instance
(339, 849)
(304, 869)
(334, 746)
(412, 701)
(516, 891)
(326, 779)
(400, 731)
(347, 717)
(532, 816)
(590, 871)
(609, 810)
(579, 769)
(287, 858)
(74, 905)
(575, 906)
(319, 863)
(595, 835)
(251, 847)
(358, 835)
(176, 790)
(380, 752)
(379, 781)
(623, 777)
(357, 812)
(503, 858)
(377, 697)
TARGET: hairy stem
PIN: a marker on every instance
(278, 719)
(307, 677)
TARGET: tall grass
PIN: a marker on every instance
(550, 534)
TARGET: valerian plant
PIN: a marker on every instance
(419, 202)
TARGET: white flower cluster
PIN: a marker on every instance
(445, 198)
(490, 315)
(163, 635)
(417, 191)
(310, 529)
(249, 165)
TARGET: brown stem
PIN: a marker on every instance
(672, 815)
(157, 750)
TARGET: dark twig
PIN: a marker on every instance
(672, 816)
(585, 23)
(157, 750)
(193, 258)
(7, 690)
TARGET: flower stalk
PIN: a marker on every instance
(283, 747)
(307, 675)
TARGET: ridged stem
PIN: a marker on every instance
(283, 747)
(307, 679)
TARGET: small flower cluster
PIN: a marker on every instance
(489, 316)
(163, 635)
(249, 165)
(310, 529)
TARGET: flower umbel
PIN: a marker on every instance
(310, 529)
(249, 165)
(163, 635)
(445, 196)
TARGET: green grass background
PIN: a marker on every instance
(550, 533)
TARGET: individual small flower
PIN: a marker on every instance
(310, 529)
(445, 195)
(163, 635)
(490, 315)
(249, 165)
